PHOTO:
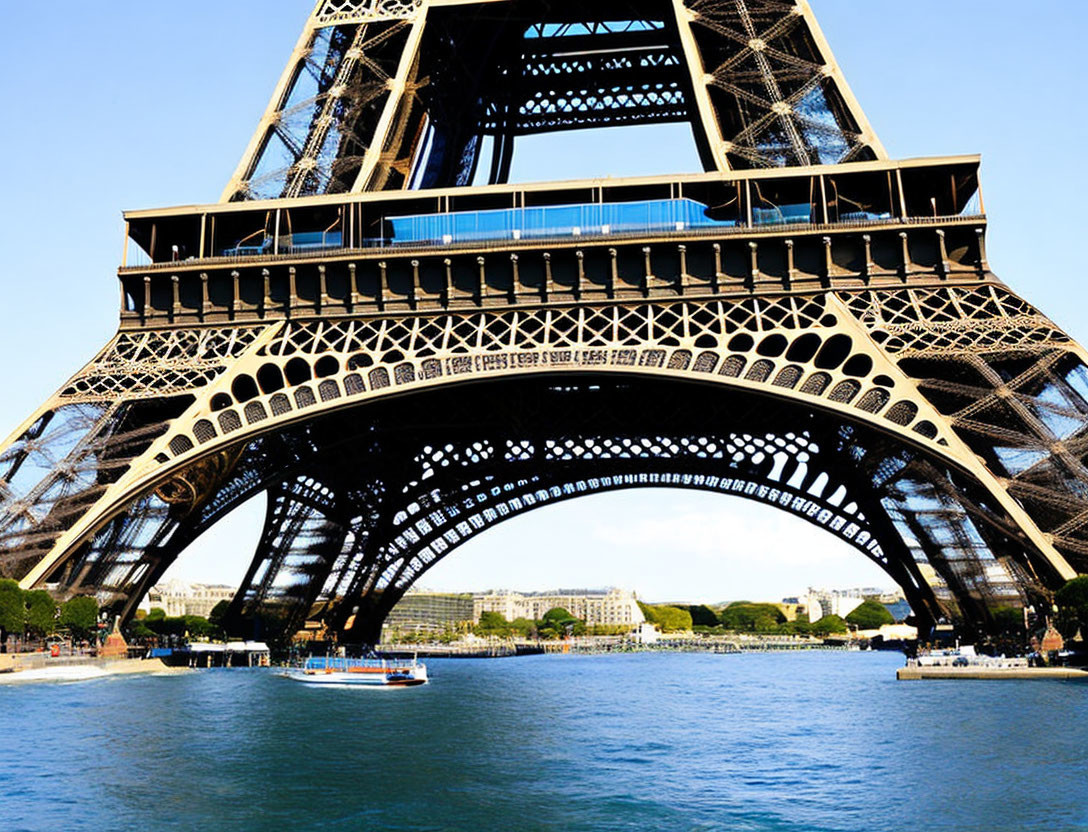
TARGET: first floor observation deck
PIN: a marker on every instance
(550, 242)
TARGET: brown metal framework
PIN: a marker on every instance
(857, 364)
(380, 93)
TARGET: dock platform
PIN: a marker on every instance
(983, 672)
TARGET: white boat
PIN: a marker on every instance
(964, 656)
(328, 670)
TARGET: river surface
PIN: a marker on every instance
(792, 741)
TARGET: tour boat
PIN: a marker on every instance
(327, 670)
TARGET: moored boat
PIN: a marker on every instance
(329, 670)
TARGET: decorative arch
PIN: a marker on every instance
(362, 502)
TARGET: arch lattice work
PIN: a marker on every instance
(355, 516)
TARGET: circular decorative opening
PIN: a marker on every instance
(326, 366)
(741, 342)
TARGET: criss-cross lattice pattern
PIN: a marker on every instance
(411, 513)
(357, 514)
(580, 75)
(158, 363)
(1011, 383)
(61, 465)
(773, 90)
(788, 344)
(357, 11)
(953, 320)
(752, 76)
(321, 130)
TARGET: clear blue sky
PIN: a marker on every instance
(127, 104)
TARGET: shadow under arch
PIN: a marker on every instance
(364, 500)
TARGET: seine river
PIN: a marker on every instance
(800, 741)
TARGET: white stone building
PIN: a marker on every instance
(821, 602)
(596, 607)
(180, 598)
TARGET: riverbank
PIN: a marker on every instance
(38, 668)
(599, 645)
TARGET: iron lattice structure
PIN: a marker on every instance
(833, 344)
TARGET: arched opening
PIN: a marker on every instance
(665, 544)
(216, 560)
(221, 553)
(366, 499)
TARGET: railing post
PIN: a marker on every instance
(236, 295)
(175, 306)
(942, 255)
(266, 297)
(205, 301)
(983, 263)
(829, 261)
(904, 253)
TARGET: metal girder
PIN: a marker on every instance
(846, 352)
(368, 80)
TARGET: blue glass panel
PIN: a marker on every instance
(1077, 378)
(1056, 412)
(1018, 460)
(801, 212)
(555, 221)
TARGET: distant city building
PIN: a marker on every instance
(180, 598)
(596, 607)
(821, 602)
(421, 610)
(842, 602)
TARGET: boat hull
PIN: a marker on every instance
(359, 674)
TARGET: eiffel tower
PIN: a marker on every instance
(402, 358)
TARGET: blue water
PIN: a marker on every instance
(803, 741)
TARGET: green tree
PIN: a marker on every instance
(1009, 620)
(139, 630)
(156, 614)
(870, 615)
(493, 624)
(197, 626)
(744, 616)
(173, 625)
(524, 627)
(493, 621)
(559, 622)
(673, 619)
(219, 613)
(41, 613)
(667, 618)
(79, 615)
(797, 627)
(648, 613)
(1072, 603)
(12, 611)
(703, 616)
(828, 625)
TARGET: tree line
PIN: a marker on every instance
(36, 614)
(738, 617)
(555, 623)
(759, 619)
(156, 625)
